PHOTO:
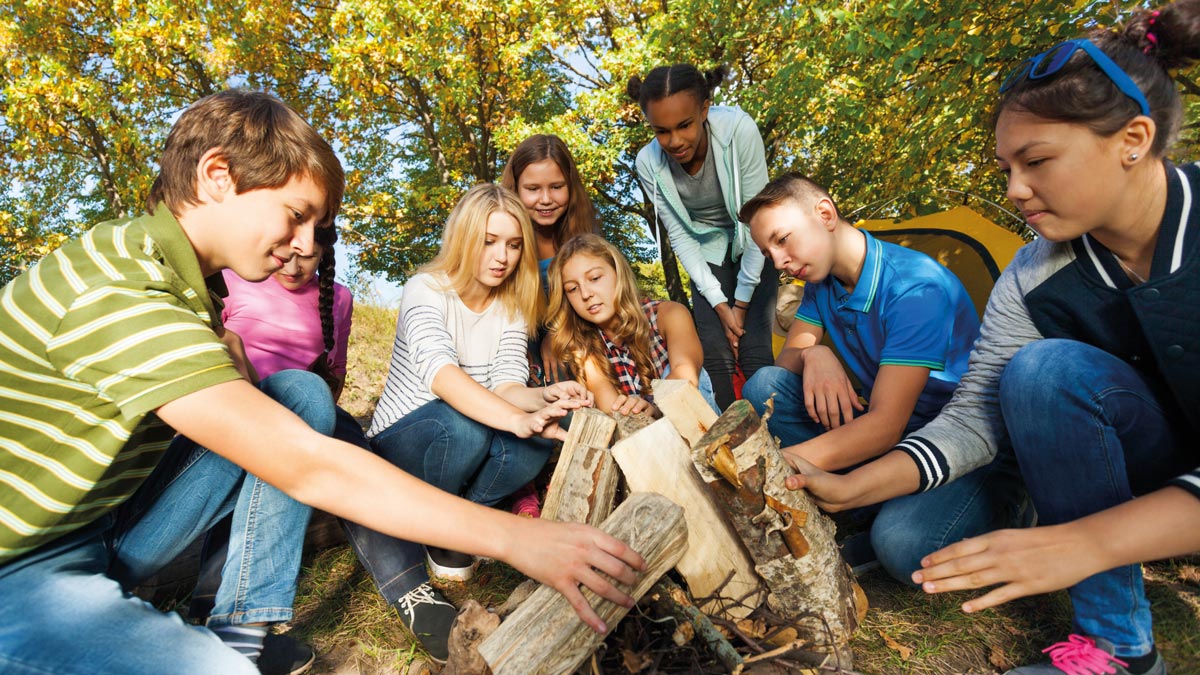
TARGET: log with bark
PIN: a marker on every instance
(790, 540)
(657, 459)
(584, 482)
(544, 635)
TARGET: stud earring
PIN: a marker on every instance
(1133, 157)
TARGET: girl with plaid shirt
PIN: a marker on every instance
(615, 342)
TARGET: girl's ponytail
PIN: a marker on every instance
(1170, 35)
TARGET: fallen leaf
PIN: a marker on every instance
(900, 649)
(683, 634)
(635, 662)
(998, 658)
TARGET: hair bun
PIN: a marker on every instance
(634, 88)
(713, 78)
(1170, 35)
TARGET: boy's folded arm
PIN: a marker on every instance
(242, 424)
(893, 398)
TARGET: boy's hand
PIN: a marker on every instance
(831, 491)
(1023, 562)
(569, 393)
(631, 405)
(565, 555)
(731, 320)
(829, 396)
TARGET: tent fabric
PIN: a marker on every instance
(974, 248)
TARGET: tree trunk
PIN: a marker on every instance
(544, 635)
(585, 478)
(656, 459)
(790, 540)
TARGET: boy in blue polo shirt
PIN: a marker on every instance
(904, 325)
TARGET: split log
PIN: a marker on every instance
(628, 425)
(544, 635)
(656, 459)
(585, 479)
(790, 540)
(681, 402)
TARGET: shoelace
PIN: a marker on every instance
(421, 595)
(1079, 655)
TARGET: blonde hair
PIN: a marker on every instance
(576, 340)
(463, 242)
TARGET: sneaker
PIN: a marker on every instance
(450, 565)
(525, 502)
(857, 552)
(283, 655)
(429, 615)
(1081, 655)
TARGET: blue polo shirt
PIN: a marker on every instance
(907, 310)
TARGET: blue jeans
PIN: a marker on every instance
(396, 566)
(256, 582)
(449, 450)
(1090, 433)
(754, 348)
(905, 529)
(77, 617)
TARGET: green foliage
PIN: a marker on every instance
(886, 102)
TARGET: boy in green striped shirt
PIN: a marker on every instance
(112, 345)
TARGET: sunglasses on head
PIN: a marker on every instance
(1052, 60)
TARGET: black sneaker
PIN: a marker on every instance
(429, 615)
(283, 655)
(450, 565)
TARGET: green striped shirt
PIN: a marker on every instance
(93, 339)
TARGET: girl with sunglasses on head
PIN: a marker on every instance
(705, 162)
(1089, 358)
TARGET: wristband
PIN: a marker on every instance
(736, 305)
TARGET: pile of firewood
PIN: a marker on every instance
(705, 497)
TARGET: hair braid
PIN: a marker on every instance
(326, 237)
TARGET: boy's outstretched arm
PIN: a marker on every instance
(892, 475)
(1025, 562)
(240, 423)
(893, 398)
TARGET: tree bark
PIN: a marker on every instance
(791, 541)
(585, 479)
(545, 636)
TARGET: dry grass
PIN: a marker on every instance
(371, 335)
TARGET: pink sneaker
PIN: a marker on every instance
(525, 502)
(1081, 655)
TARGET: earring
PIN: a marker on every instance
(1133, 157)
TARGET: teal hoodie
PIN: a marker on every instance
(741, 167)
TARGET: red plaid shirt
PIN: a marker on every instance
(622, 362)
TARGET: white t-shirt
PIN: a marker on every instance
(436, 329)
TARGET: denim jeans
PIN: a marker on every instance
(908, 528)
(396, 566)
(75, 614)
(252, 559)
(754, 348)
(449, 450)
(1090, 433)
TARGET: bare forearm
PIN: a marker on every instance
(865, 437)
(470, 398)
(1161, 524)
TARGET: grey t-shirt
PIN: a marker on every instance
(701, 194)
